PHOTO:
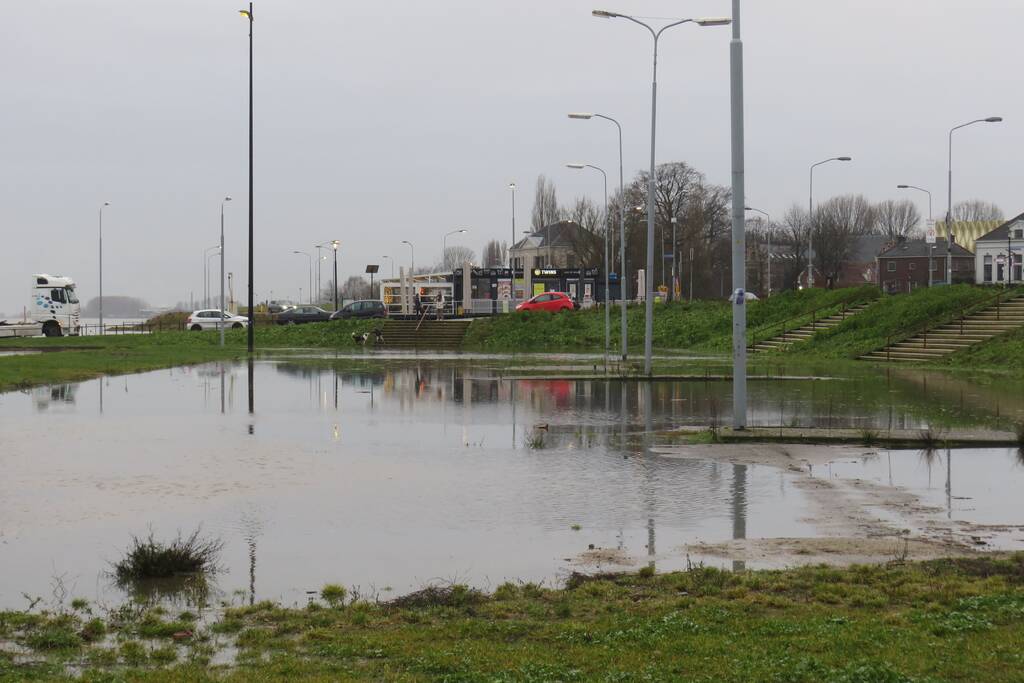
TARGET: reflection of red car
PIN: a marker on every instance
(549, 301)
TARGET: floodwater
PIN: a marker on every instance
(428, 469)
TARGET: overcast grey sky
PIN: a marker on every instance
(400, 119)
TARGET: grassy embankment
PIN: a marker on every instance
(697, 326)
(73, 359)
(703, 326)
(950, 620)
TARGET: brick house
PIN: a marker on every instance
(904, 266)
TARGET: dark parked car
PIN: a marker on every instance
(361, 309)
(302, 314)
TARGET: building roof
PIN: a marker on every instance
(1000, 233)
(919, 249)
(560, 234)
(867, 247)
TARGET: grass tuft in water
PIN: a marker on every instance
(869, 436)
(151, 559)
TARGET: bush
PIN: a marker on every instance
(151, 559)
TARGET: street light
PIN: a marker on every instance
(310, 258)
(206, 273)
(412, 257)
(649, 282)
(334, 246)
(251, 330)
(220, 324)
(930, 247)
(607, 231)
(623, 280)
(392, 261)
(101, 264)
(444, 245)
(769, 233)
(810, 220)
(511, 265)
(949, 195)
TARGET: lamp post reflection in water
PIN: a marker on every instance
(739, 509)
(250, 363)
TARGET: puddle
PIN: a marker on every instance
(425, 469)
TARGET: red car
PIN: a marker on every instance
(548, 301)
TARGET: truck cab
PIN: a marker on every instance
(54, 305)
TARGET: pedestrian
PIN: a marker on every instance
(417, 304)
(439, 305)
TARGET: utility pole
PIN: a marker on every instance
(739, 255)
(251, 331)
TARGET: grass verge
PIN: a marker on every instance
(958, 619)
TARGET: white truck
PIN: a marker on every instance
(53, 309)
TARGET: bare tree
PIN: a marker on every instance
(456, 256)
(976, 210)
(794, 234)
(836, 224)
(588, 233)
(897, 219)
(495, 254)
(545, 204)
(355, 287)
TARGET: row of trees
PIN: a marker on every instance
(693, 222)
(834, 228)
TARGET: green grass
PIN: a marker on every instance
(697, 326)
(892, 318)
(74, 359)
(1003, 353)
(947, 620)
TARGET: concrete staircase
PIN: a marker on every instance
(800, 334)
(432, 334)
(957, 335)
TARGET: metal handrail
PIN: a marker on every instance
(965, 311)
(771, 329)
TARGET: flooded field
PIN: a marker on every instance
(449, 468)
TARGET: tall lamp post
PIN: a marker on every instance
(334, 246)
(101, 264)
(949, 194)
(310, 258)
(392, 262)
(649, 280)
(810, 219)
(769, 233)
(511, 264)
(220, 325)
(412, 257)
(251, 330)
(207, 255)
(929, 247)
(623, 280)
(444, 244)
(607, 233)
(739, 227)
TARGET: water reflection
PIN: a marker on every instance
(53, 397)
(404, 472)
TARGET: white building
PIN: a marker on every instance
(990, 253)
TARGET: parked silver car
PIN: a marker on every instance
(207, 319)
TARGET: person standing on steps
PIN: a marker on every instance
(439, 305)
